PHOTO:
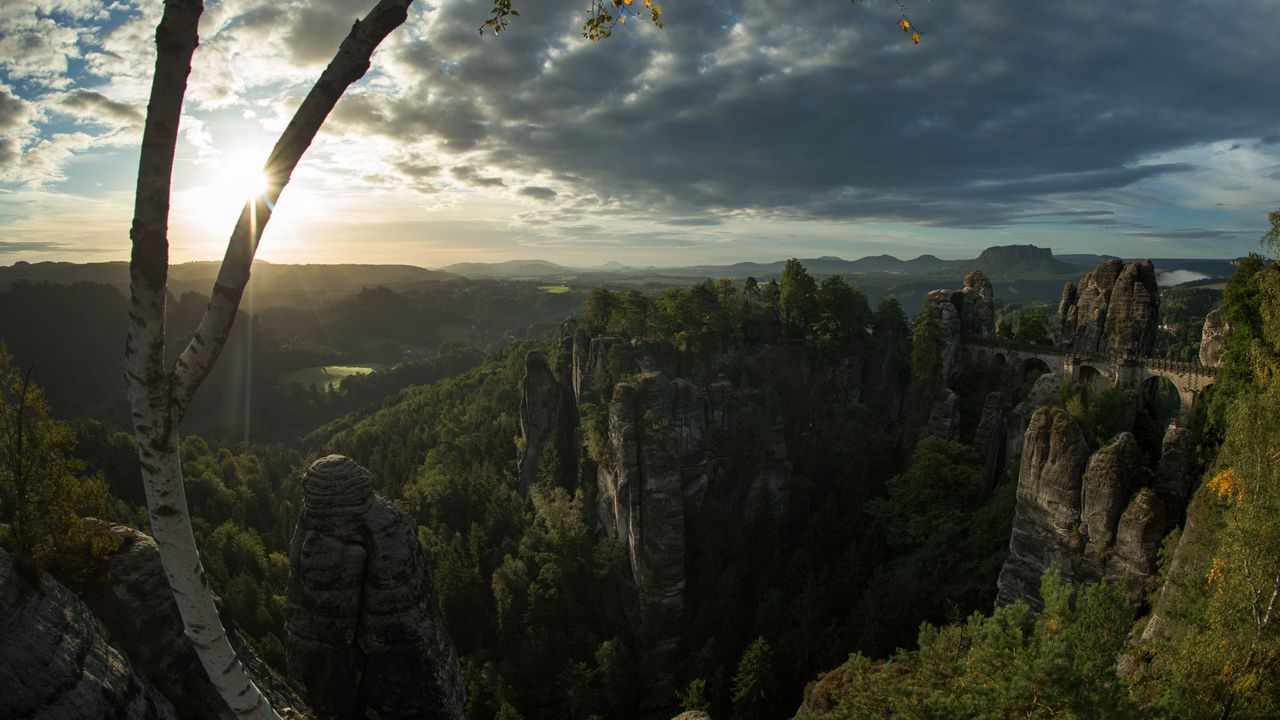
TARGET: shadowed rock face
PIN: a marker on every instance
(55, 663)
(944, 417)
(364, 632)
(1176, 474)
(123, 625)
(661, 457)
(1113, 473)
(1114, 310)
(1047, 511)
(989, 439)
(1045, 391)
(1093, 516)
(1138, 538)
(961, 315)
(137, 607)
(541, 406)
(943, 309)
(977, 312)
(1068, 309)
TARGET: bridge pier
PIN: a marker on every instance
(1188, 400)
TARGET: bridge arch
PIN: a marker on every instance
(1092, 378)
(1021, 364)
(1163, 399)
(1032, 367)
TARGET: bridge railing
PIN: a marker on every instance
(1114, 358)
(1178, 366)
(1015, 347)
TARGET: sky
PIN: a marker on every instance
(744, 130)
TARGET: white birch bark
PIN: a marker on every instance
(159, 395)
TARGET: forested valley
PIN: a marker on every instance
(764, 498)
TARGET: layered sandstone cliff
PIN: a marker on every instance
(365, 637)
(1114, 310)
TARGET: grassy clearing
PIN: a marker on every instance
(328, 377)
(554, 289)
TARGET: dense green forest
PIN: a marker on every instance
(435, 330)
(886, 545)
(1215, 649)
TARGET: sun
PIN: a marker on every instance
(240, 176)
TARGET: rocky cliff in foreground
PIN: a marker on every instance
(1092, 515)
(115, 650)
(365, 637)
(56, 662)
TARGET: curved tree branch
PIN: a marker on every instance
(159, 396)
(348, 66)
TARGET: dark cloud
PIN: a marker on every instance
(317, 29)
(96, 107)
(14, 112)
(816, 109)
(260, 21)
(537, 192)
(472, 176)
(9, 152)
(1195, 235)
(12, 247)
(693, 222)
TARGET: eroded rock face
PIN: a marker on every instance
(1139, 534)
(1115, 310)
(989, 439)
(962, 315)
(1213, 338)
(1177, 474)
(1084, 331)
(590, 360)
(1094, 516)
(1047, 512)
(364, 632)
(1133, 316)
(541, 406)
(1067, 310)
(1112, 475)
(944, 310)
(55, 662)
(977, 312)
(1047, 390)
(137, 608)
(944, 417)
(660, 459)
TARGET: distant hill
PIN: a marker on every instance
(1028, 268)
(270, 283)
(513, 269)
(1002, 262)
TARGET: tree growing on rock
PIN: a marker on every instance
(43, 494)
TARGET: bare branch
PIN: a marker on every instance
(1271, 606)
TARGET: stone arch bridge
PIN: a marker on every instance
(1123, 371)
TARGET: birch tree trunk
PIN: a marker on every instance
(159, 395)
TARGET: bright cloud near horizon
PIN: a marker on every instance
(746, 130)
